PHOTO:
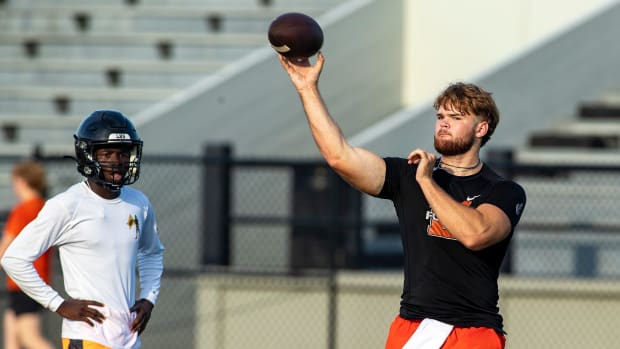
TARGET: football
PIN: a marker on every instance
(295, 35)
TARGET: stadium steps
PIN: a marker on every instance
(59, 100)
(561, 202)
(61, 59)
(572, 215)
(247, 4)
(566, 156)
(591, 137)
(608, 109)
(112, 73)
(128, 45)
(38, 130)
(152, 18)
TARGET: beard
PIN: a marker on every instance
(456, 147)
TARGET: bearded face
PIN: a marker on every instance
(454, 131)
(454, 146)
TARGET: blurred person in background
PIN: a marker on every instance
(106, 234)
(22, 318)
(456, 215)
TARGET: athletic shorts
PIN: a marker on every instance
(81, 344)
(460, 337)
(20, 303)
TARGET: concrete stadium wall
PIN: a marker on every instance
(560, 313)
(279, 312)
(239, 311)
(446, 41)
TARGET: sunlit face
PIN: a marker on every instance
(114, 162)
(455, 132)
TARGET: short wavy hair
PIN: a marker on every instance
(471, 99)
(33, 174)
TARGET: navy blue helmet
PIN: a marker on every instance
(107, 129)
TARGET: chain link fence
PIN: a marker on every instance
(278, 253)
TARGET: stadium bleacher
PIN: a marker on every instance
(62, 59)
(591, 137)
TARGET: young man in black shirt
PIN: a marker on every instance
(456, 215)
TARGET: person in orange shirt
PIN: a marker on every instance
(22, 319)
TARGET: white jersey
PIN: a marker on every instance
(100, 243)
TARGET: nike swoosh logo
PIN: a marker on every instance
(471, 198)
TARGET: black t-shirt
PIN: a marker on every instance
(444, 280)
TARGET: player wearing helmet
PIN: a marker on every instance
(104, 230)
(95, 140)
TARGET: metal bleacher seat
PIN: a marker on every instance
(571, 216)
(591, 138)
(59, 60)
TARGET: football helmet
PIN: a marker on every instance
(107, 129)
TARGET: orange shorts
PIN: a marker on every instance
(460, 337)
(81, 344)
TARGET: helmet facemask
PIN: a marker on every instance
(95, 170)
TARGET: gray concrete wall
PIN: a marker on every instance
(242, 311)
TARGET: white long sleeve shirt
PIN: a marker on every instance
(100, 244)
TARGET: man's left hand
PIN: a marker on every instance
(425, 162)
(143, 309)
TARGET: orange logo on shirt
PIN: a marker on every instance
(435, 228)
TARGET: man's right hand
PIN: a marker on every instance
(79, 310)
(304, 75)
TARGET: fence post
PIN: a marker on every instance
(326, 220)
(325, 230)
(216, 204)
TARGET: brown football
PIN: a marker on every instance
(295, 35)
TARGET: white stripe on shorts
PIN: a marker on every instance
(431, 334)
